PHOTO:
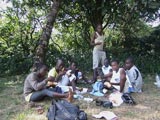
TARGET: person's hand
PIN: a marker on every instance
(79, 89)
(62, 73)
(49, 83)
(98, 43)
(133, 83)
(109, 85)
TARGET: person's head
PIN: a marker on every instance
(42, 70)
(129, 63)
(68, 73)
(99, 28)
(99, 73)
(59, 65)
(73, 66)
(115, 65)
(106, 62)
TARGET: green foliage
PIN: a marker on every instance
(124, 25)
(19, 37)
(70, 45)
(142, 47)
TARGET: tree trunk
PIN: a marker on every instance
(46, 34)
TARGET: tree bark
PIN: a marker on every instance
(46, 34)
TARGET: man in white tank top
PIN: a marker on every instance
(107, 70)
(98, 54)
(118, 79)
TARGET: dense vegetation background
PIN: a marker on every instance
(24, 23)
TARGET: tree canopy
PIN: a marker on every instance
(27, 34)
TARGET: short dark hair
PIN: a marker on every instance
(42, 66)
(107, 60)
(59, 62)
(99, 23)
(130, 58)
(115, 60)
(71, 62)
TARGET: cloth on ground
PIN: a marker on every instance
(116, 98)
(107, 115)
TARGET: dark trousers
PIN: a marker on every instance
(48, 92)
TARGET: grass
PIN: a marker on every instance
(13, 106)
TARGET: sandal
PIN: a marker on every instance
(99, 103)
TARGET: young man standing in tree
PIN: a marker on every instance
(99, 54)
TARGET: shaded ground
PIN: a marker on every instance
(13, 107)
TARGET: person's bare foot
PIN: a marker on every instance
(40, 109)
(70, 95)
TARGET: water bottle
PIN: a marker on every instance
(88, 99)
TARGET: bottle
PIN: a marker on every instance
(88, 99)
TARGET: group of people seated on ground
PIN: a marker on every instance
(61, 81)
(37, 86)
(126, 79)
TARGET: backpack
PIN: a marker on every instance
(127, 98)
(63, 110)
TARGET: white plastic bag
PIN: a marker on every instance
(116, 98)
(157, 81)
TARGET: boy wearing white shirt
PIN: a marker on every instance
(119, 79)
(107, 70)
(67, 80)
(98, 43)
(134, 75)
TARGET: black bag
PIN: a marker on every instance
(127, 98)
(106, 104)
(63, 110)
